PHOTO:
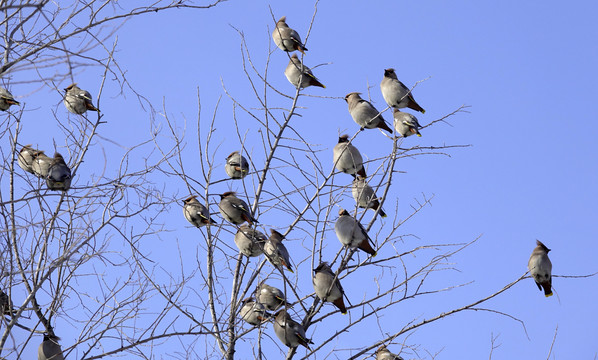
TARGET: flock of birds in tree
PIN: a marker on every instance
(249, 240)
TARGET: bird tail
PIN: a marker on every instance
(301, 48)
(384, 126)
(415, 106)
(365, 246)
(361, 172)
(340, 304)
(547, 289)
(91, 107)
(316, 82)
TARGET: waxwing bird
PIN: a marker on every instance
(290, 332)
(41, 164)
(49, 349)
(236, 166)
(347, 158)
(351, 233)
(327, 287)
(276, 252)
(250, 241)
(396, 94)
(78, 101)
(196, 213)
(405, 123)
(286, 38)
(235, 210)
(6, 99)
(269, 296)
(253, 312)
(5, 308)
(364, 195)
(300, 75)
(383, 354)
(364, 113)
(540, 268)
(25, 158)
(59, 174)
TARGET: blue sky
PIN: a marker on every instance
(526, 69)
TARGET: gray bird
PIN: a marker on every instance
(276, 252)
(235, 210)
(405, 123)
(396, 94)
(327, 288)
(5, 308)
(286, 38)
(250, 241)
(364, 113)
(236, 166)
(300, 75)
(25, 158)
(6, 99)
(364, 195)
(269, 296)
(41, 164)
(351, 233)
(59, 174)
(347, 158)
(49, 349)
(253, 312)
(196, 213)
(290, 332)
(78, 101)
(540, 268)
(383, 354)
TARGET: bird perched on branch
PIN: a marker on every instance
(396, 94)
(383, 354)
(276, 252)
(290, 332)
(41, 164)
(59, 174)
(364, 195)
(351, 233)
(405, 123)
(253, 312)
(49, 349)
(327, 287)
(347, 158)
(250, 241)
(364, 113)
(269, 296)
(235, 210)
(6, 99)
(77, 100)
(5, 308)
(300, 75)
(286, 38)
(236, 166)
(196, 213)
(25, 158)
(540, 268)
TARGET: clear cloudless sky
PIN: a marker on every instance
(527, 69)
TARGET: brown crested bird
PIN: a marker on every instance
(49, 349)
(290, 332)
(396, 94)
(383, 354)
(327, 287)
(347, 158)
(286, 38)
(235, 210)
(276, 252)
(25, 158)
(236, 166)
(196, 213)
(269, 296)
(77, 100)
(6, 99)
(41, 164)
(250, 241)
(253, 312)
(540, 268)
(364, 113)
(59, 174)
(300, 75)
(351, 233)
(405, 123)
(364, 195)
